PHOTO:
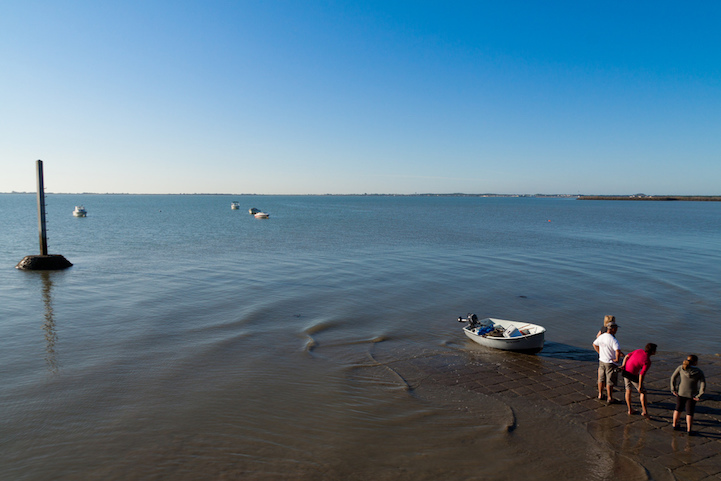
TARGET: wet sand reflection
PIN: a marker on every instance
(564, 382)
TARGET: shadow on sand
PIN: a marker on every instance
(556, 350)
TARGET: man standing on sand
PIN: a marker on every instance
(609, 355)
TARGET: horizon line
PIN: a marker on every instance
(417, 194)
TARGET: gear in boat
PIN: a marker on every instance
(504, 334)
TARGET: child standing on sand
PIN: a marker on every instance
(606, 321)
(688, 385)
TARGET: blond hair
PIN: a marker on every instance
(608, 320)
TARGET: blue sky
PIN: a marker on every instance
(316, 97)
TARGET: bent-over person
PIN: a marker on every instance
(634, 368)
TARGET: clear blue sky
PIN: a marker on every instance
(315, 97)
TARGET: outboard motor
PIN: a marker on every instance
(471, 319)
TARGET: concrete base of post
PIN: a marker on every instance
(50, 262)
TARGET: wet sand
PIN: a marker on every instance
(562, 380)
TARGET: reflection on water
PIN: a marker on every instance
(681, 444)
(51, 334)
(631, 445)
(198, 343)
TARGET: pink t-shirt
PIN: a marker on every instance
(638, 362)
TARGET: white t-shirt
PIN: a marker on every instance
(607, 347)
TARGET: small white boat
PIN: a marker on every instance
(261, 215)
(504, 334)
(235, 205)
(80, 211)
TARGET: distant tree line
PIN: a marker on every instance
(713, 198)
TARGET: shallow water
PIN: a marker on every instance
(192, 341)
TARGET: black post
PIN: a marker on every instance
(43, 262)
(41, 211)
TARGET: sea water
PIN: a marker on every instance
(192, 341)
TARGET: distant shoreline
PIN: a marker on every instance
(458, 194)
(696, 198)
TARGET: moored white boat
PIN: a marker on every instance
(80, 211)
(504, 334)
(235, 205)
(261, 215)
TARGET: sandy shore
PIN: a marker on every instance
(563, 379)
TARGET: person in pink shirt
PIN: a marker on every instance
(634, 368)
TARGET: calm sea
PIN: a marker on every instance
(192, 341)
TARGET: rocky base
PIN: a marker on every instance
(51, 262)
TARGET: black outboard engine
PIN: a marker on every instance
(471, 319)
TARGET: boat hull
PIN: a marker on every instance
(532, 342)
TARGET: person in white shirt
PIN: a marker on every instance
(609, 355)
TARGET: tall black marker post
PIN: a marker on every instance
(45, 261)
(42, 231)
